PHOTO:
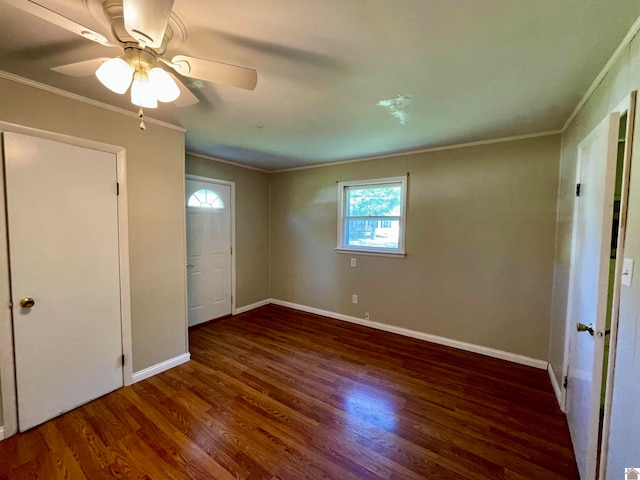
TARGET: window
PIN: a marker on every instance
(205, 198)
(371, 215)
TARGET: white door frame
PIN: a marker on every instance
(628, 106)
(232, 185)
(7, 364)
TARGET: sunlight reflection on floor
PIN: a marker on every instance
(368, 404)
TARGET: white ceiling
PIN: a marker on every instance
(475, 70)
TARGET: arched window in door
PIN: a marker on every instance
(205, 198)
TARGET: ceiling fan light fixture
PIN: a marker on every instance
(116, 74)
(142, 93)
(163, 85)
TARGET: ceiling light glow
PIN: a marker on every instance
(164, 87)
(142, 93)
(149, 85)
(115, 74)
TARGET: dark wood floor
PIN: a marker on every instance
(279, 394)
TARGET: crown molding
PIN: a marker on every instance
(603, 73)
(228, 162)
(425, 150)
(95, 103)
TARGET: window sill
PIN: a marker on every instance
(371, 254)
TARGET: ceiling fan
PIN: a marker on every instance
(144, 30)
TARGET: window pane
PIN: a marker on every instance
(374, 232)
(205, 198)
(379, 201)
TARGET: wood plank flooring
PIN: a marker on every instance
(283, 395)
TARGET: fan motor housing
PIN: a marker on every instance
(140, 58)
(175, 34)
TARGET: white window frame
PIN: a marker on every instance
(342, 247)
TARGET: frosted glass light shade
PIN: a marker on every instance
(142, 93)
(163, 85)
(115, 74)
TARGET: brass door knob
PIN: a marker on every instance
(581, 327)
(27, 302)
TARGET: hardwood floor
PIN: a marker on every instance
(279, 394)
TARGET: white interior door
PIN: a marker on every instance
(63, 241)
(589, 287)
(208, 250)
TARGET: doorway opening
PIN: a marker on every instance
(603, 173)
(613, 261)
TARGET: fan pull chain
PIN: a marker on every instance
(141, 116)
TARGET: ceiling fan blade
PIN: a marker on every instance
(146, 20)
(81, 69)
(186, 98)
(216, 72)
(52, 17)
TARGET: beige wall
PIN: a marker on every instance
(252, 225)
(480, 243)
(622, 79)
(155, 174)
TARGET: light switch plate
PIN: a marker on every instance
(627, 271)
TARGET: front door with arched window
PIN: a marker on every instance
(208, 250)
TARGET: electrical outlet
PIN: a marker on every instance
(354, 298)
(366, 316)
(353, 262)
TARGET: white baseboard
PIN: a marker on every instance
(469, 347)
(146, 373)
(251, 306)
(160, 367)
(556, 386)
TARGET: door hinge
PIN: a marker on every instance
(578, 188)
(565, 382)
(123, 360)
(117, 188)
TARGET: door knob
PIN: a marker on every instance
(189, 264)
(581, 327)
(27, 302)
